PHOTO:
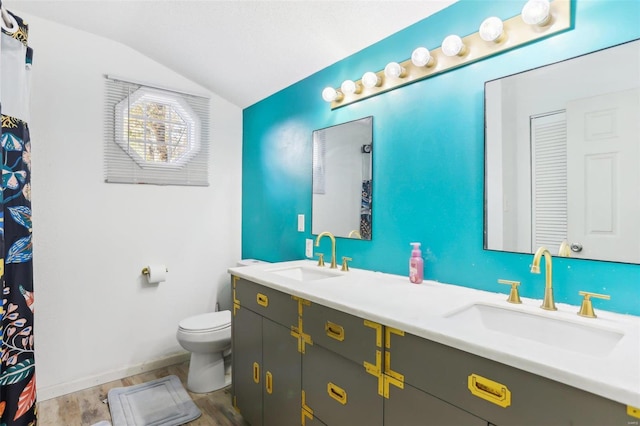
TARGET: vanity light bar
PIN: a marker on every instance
(515, 32)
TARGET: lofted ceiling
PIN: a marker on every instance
(241, 50)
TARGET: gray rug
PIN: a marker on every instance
(161, 402)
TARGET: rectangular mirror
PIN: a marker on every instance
(343, 179)
(562, 157)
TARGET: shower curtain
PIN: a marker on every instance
(17, 371)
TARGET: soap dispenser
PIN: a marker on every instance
(416, 265)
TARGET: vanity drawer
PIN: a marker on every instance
(339, 391)
(412, 407)
(344, 334)
(533, 400)
(269, 303)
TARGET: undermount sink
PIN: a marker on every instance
(303, 273)
(556, 332)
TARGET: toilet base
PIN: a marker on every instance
(206, 372)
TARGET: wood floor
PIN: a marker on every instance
(86, 407)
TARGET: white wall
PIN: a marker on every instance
(96, 319)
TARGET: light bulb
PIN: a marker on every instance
(329, 94)
(394, 70)
(536, 12)
(452, 45)
(350, 87)
(491, 29)
(370, 79)
(421, 57)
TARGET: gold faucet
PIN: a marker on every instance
(548, 302)
(333, 246)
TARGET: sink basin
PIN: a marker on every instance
(556, 332)
(303, 273)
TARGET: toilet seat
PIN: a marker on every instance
(206, 322)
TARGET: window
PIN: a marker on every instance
(155, 136)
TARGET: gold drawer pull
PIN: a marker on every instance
(269, 382)
(256, 372)
(337, 393)
(489, 390)
(262, 299)
(334, 331)
(633, 412)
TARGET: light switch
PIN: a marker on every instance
(300, 223)
(309, 247)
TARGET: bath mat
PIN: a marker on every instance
(161, 402)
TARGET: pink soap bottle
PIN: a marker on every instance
(416, 265)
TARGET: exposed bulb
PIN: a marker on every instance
(421, 57)
(394, 70)
(349, 87)
(491, 29)
(536, 12)
(370, 80)
(452, 45)
(329, 94)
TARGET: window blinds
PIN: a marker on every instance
(154, 136)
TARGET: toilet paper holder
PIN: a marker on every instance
(145, 270)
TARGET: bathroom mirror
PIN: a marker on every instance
(562, 157)
(342, 179)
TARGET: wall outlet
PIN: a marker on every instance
(309, 247)
(300, 223)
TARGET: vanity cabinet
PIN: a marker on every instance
(496, 392)
(296, 362)
(266, 362)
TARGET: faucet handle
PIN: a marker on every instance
(514, 296)
(586, 309)
(345, 264)
(320, 259)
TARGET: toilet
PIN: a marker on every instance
(208, 338)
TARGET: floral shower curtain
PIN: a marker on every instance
(17, 373)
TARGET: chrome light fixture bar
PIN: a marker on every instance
(539, 19)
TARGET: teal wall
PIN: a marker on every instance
(428, 159)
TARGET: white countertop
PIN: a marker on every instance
(422, 310)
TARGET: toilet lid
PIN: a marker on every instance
(207, 322)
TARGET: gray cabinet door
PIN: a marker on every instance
(412, 407)
(282, 376)
(340, 392)
(247, 356)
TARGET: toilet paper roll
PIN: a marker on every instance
(156, 273)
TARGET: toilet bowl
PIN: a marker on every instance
(208, 338)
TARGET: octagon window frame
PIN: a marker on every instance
(178, 105)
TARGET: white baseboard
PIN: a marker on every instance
(88, 382)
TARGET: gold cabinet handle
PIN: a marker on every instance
(514, 296)
(337, 393)
(268, 381)
(491, 391)
(586, 309)
(262, 299)
(256, 372)
(334, 331)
